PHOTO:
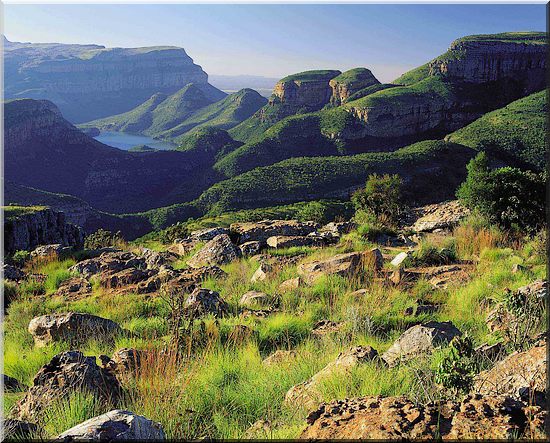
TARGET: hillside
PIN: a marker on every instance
(88, 82)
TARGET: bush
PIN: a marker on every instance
(457, 369)
(381, 197)
(168, 235)
(19, 258)
(103, 239)
(511, 198)
(319, 211)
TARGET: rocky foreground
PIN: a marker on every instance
(507, 399)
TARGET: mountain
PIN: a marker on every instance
(88, 82)
(233, 83)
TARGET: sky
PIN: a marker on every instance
(276, 40)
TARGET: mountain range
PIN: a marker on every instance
(319, 135)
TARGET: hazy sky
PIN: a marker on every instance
(276, 40)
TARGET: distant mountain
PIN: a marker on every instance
(232, 83)
(88, 82)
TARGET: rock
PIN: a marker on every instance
(418, 340)
(291, 284)
(373, 259)
(444, 215)
(203, 302)
(398, 276)
(12, 273)
(115, 425)
(252, 298)
(422, 308)
(72, 327)
(182, 246)
(284, 241)
(126, 361)
(399, 259)
(520, 375)
(490, 352)
(40, 227)
(208, 234)
(217, 251)
(54, 251)
(178, 281)
(65, 374)
(518, 268)
(108, 262)
(343, 265)
(74, 288)
(338, 228)
(13, 385)
(350, 82)
(250, 248)
(324, 327)
(262, 230)
(442, 277)
(126, 277)
(154, 259)
(279, 357)
(260, 429)
(306, 393)
(19, 430)
(263, 272)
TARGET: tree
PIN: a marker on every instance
(381, 197)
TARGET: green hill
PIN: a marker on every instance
(208, 141)
(517, 131)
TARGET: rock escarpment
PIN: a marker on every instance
(40, 227)
(349, 83)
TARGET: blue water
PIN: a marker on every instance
(125, 141)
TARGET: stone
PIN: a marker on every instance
(291, 284)
(520, 375)
(306, 393)
(343, 265)
(422, 308)
(398, 276)
(324, 327)
(154, 259)
(399, 259)
(54, 251)
(108, 262)
(263, 272)
(13, 385)
(338, 228)
(516, 267)
(126, 361)
(262, 230)
(260, 429)
(72, 327)
(12, 273)
(279, 357)
(182, 246)
(113, 426)
(252, 298)
(203, 302)
(180, 280)
(218, 251)
(492, 353)
(374, 259)
(208, 234)
(285, 241)
(19, 430)
(75, 288)
(444, 215)
(65, 374)
(250, 248)
(418, 340)
(126, 277)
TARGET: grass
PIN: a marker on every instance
(308, 76)
(13, 211)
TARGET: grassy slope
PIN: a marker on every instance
(517, 131)
(13, 211)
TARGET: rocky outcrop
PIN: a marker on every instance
(343, 265)
(113, 426)
(66, 373)
(262, 230)
(445, 215)
(13, 273)
(39, 227)
(202, 302)
(348, 83)
(218, 251)
(72, 327)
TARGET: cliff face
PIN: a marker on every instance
(89, 82)
(42, 227)
(350, 82)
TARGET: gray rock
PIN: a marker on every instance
(262, 230)
(418, 340)
(111, 262)
(73, 327)
(218, 251)
(250, 248)
(50, 250)
(252, 298)
(342, 264)
(263, 272)
(399, 259)
(286, 241)
(208, 234)
(154, 259)
(203, 302)
(13, 273)
(113, 426)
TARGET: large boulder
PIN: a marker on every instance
(178, 281)
(72, 327)
(218, 251)
(108, 262)
(126, 361)
(521, 375)
(418, 340)
(250, 248)
(307, 394)
(289, 241)
(74, 288)
(262, 230)
(65, 374)
(55, 251)
(208, 234)
(155, 259)
(126, 277)
(113, 426)
(203, 302)
(343, 265)
(444, 215)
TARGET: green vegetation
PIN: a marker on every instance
(103, 239)
(516, 132)
(381, 197)
(414, 76)
(14, 211)
(141, 148)
(309, 76)
(209, 141)
(529, 38)
(370, 90)
(354, 75)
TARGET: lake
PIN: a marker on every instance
(125, 141)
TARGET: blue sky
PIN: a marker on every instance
(276, 40)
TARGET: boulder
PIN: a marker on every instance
(343, 265)
(490, 352)
(218, 251)
(72, 327)
(65, 374)
(155, 259)
(291, 284)
(263, 272)
(180, 280)
(12, 273)
(182, 246)
(74, 288)
(418, 340)
(444, 215)
(250, 248)
(108, 262)
(262, 230)
(13, 385)
(521, 375)
(208, 234)
(399, 259)
(126, 277)
(54, 251)
(338, 228)
(252, 298)
(125, 361)
(373, 259)
(279, 357)
(286, 241)
(306, 393)
(113, 426)
(19, 430)
(203, 302)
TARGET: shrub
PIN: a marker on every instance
(457, 368)
(511, 198)
(103, 239)
(19, 258)
(381, 196)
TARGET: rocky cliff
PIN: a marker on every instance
(89, 82)
(43, 226)
(349, 83)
